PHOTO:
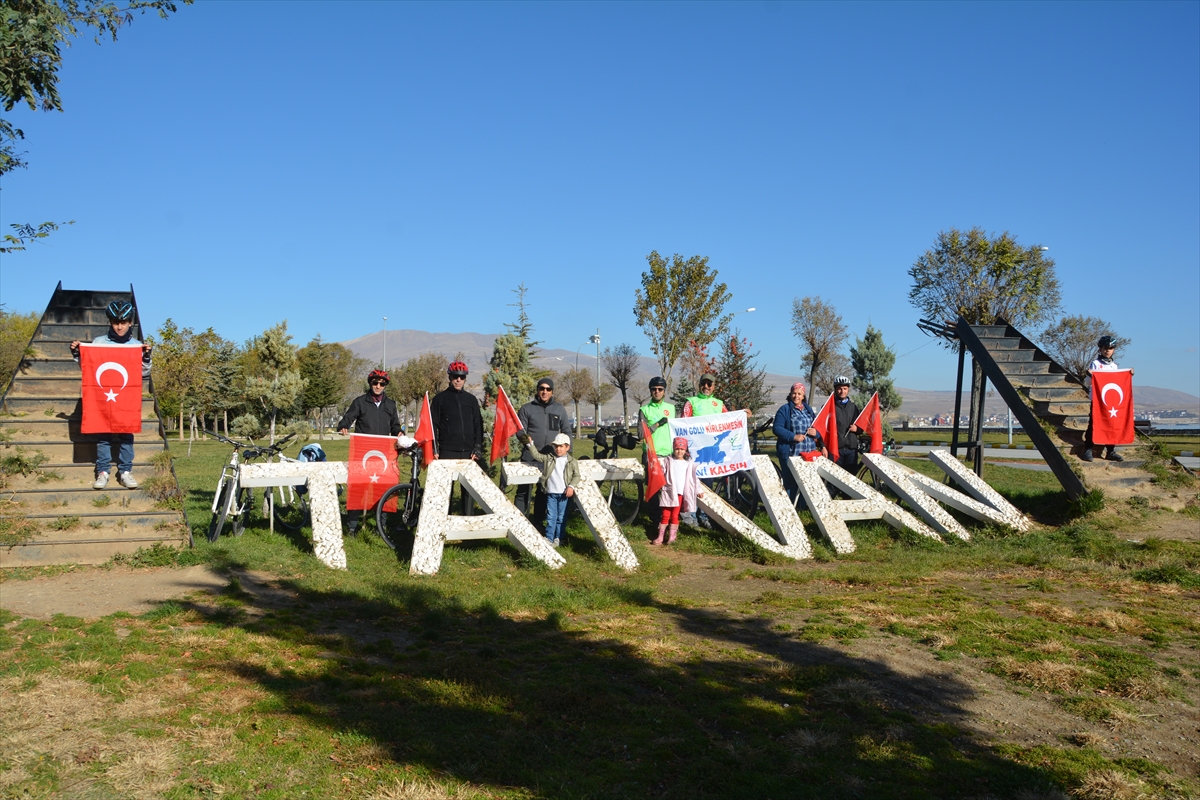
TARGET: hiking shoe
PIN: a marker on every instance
(126, 479)
(1113, 455)
(101, 480)
(1087, 455)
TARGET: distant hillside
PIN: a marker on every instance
(477, 349)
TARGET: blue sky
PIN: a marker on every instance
(333, 163)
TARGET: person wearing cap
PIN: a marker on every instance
(703, 403)
(1105, 349)
(560, 473)
(794, 434)
(543, 418)
(679, 493)
(120, 332)
(656, 416)
(845, 412)
(372, 413)
(457, 423)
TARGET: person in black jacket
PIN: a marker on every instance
(846, 412)
(372, 413)
(457, 422)
(543, 418)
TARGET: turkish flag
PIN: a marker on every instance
(424, 434)
(112, 388)
(870, 422)
(1112, 406)
(655, 479)
(826, 425)
(506, 425)
(373, 470)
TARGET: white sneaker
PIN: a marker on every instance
(126, 479)
(101, 480)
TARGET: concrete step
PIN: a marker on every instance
(1003, 356)
(1056, 380)
(117, 501)
(59, 475)
(990, 331)
(50, 368)
(57, 405)
(85, 545)
(87, 298)
(1029, 368)
(1056, 394)
(1001, 343)
(47, 349)
(39, 430)
(78, 315)
(52, 385)
(74, 331)
(1075, 423)
(84, 452)
(1061, 409)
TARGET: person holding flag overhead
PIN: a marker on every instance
(113, 414)
(372, 414)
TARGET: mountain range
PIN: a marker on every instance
(476, 349)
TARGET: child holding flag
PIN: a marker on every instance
(120, 334)
(680, 491)
(560, 473)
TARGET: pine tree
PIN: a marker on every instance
(743, 384)
(872, 361)
(683, 390)
(278, 384)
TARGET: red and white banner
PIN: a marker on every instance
(1112, 406)
(719, 443)
(112, 388)
(826, 425)
(870, 423)
(373, 470)
(506, 425)
(424, 434)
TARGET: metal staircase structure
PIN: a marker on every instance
(49, 512)
(1034, 387)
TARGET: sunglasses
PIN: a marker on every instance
(458, 377)
(658, 389)
(545, 389)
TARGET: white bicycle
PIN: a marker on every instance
(232, 501)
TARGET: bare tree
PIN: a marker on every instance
(598, 396)
(1072, 342)
(574, 385)
(621, 362)
(820, 330)
(679, 302)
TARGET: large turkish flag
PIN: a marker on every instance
(372, 471)
(1112, 406)
(112, 388)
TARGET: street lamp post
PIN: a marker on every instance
(596, 340)
(385, 342)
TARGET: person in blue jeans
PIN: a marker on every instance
(560, 473)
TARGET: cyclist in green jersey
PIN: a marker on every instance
(655, 415)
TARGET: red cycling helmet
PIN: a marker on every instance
(457, 368)
(379, 373)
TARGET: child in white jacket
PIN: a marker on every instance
(680, 491)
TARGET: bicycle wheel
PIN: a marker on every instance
(392, 524)
(742, 493)
(624, 499)
(245, 502)
(291, 509)
(218, 520)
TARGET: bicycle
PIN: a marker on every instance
(290, 503)
(231, 498)
(390, 525)
(624, 497)
(864, 473)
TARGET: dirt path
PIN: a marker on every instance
(96, 593)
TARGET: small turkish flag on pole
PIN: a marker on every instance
(372, 471)
(655, 479)
(826, 425)
(870, 422)
(506, 425)
(1112, 406)
(424, 434)
(112, 388)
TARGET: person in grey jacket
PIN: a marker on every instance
(120, 332)
(543, 418)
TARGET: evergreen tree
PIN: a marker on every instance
(743, 383)
(512, 358)
(872, 361)
(683, 390)
(322, 383)
(222, 378)
(276, 383)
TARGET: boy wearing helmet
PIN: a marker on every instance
(373, 413)
(120, 332)
(846, 411)
(1105, 349)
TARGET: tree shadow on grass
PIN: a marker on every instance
(559, 709)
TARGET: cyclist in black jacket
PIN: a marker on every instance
(457, 422)
(372, 413)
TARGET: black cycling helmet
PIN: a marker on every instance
(1105, 342)
(657, 381)
(119, 311)
(841, 380)
(379, 373)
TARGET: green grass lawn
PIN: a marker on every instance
(501, 678)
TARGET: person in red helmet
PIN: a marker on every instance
(457, 422)
(372, 413)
